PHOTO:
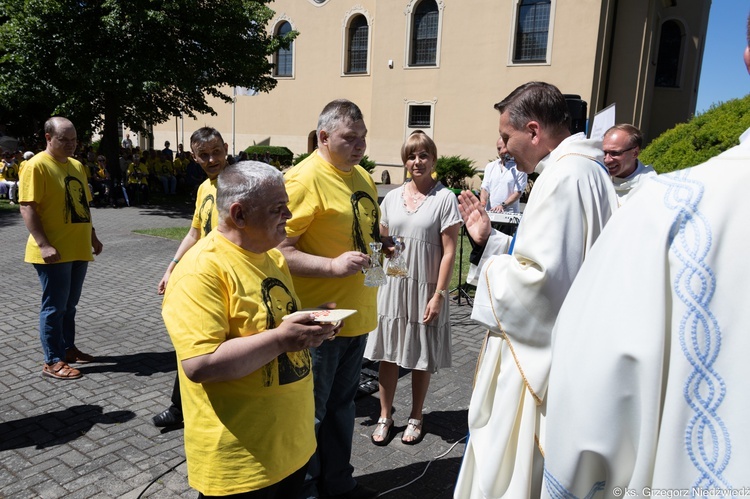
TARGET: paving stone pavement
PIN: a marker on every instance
(93, 437)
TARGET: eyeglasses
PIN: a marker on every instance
(617, 154)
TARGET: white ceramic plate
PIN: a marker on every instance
(324, 315)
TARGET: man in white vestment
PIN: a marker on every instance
(519, 295)
(652, 399)
(621, 145)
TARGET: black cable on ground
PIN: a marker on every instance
(425, 469)
(158, 477)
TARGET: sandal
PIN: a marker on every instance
(382, 431)
(60, 370)
(413, 431)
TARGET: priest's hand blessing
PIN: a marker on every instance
(475, 217)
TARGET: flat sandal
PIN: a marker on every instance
(382, 430)
(413, 430)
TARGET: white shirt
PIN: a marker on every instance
(625, 186)
(648, 386)
(500, 181)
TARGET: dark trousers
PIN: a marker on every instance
(289, 487)
(176, 397)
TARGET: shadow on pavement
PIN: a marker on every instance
(181, 211)
(57, 428)
(140, 364)
(437, 483)
(10, 217)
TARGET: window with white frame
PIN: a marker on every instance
(284, 57)
(420, 116)
(425, 24)
(358, 36)
(532, 31)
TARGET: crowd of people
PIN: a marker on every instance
(597, 376)
(139, 176)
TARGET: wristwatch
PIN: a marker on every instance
(442, 292)
(503, 204)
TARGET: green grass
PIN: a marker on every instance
(6, 206)
(176, 233)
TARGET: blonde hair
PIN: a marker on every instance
(416, 141)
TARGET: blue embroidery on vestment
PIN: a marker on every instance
(707, 439)
(557, 491)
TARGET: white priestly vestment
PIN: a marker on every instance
(572, 199)
(649, 389)
(624, 187)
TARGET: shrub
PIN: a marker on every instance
(365, 162)
(452, 171)
(298, 158)
(283, 154)
(701, 138)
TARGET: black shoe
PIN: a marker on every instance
(358, 492)
(168, 417)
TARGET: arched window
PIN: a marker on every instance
(424, 34)
(284, 57)
(532, 30)
(357, 37)
(670, 51)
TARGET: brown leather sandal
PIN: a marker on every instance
(60, 370)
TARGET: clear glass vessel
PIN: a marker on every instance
(374, 275)
(396, 266)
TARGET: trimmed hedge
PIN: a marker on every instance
(365, 162)
(283, 154)
(701, 138)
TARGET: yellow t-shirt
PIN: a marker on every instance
(137, 174)
(206, 216)
(9, 172)
(21, 165)
(164, 168)
(334, 212)
(61, 194)
(252, 432)
(178, 167)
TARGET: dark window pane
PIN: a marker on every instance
(532, 31)
(668, 61)
(424, 34)
(358, 45)
(284, 56)
(419, 116)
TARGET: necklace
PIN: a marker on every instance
(417, 198)
(415, 195)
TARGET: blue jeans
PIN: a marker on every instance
(168, 183)
(336, 368)
(61, 289)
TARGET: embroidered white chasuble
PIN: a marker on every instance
(648, 387)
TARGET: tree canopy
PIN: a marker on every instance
(701, 138)
(136, 62)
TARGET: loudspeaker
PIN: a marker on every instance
(578, 113)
